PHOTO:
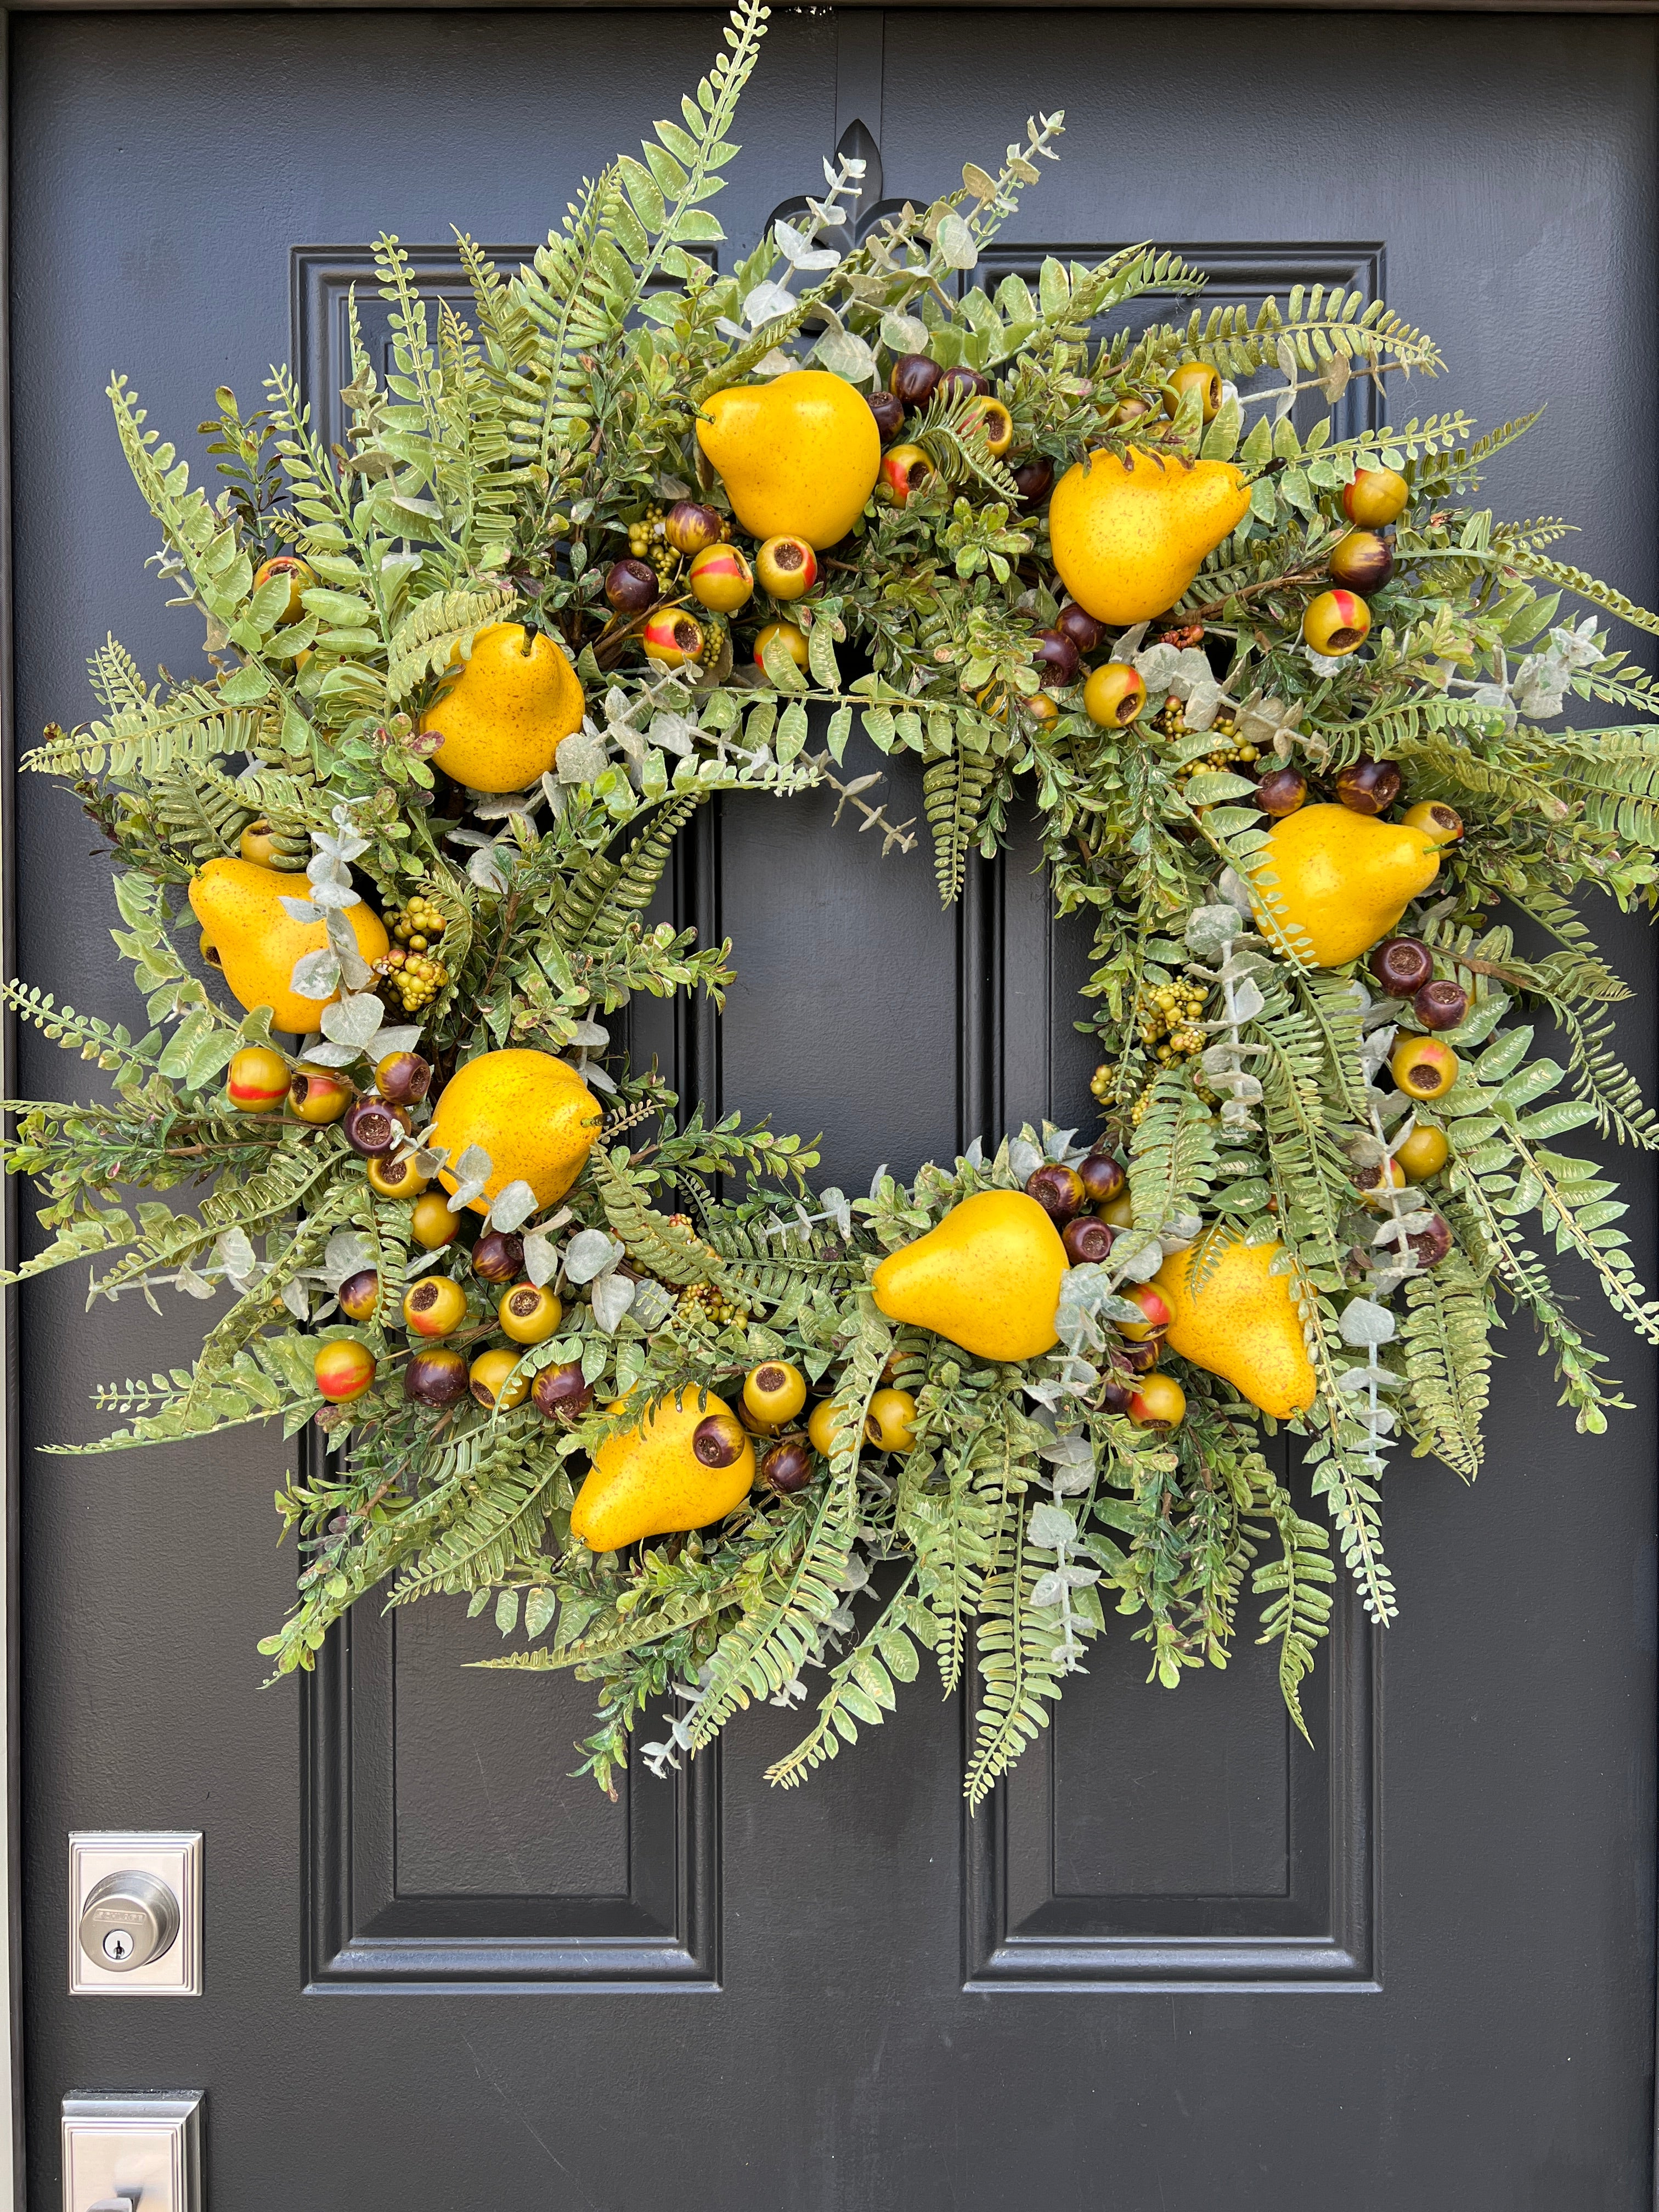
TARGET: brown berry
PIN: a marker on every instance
(717, 1441)
(631, 587)
(1280, 792)
(1403, 965)
(788, 1466)
(1363, 561)
(1057, 1189)
(1101, 1177)
(1140, 1358)
(1432, 1244)
(498, 1257)
(889, 411)
(961, 383)
(435, 1376)
(562, 1393)
(1441, 1005)
(403, 1078)
(1057, 656)
(1076, 622)
(691, 527)
(1114, 1396)
(1087, 1239)
(1368, 786)
(359, 1294)
(1034, 479)
(371, 1129)
(913, 378)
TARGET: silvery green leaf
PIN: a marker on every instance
(589, 1252)
(956, 241)
(297, 1299)
(1178, 1232)
(198, 1286)
(1137, 1257)
(1364, 1322)
(845, 354)
(1248, 1001)
(1210, 929)
(1073, 1449)
(396, 566)
(348, 1252)
(592, 1036)
(332, 897)
(1324, 664)
(512, 1206)
(1157, 666)
(776, 363)
(503, 805)
(235, 1254)
(541, 1257)
(592, 1073)
(1048, 1591)
(402, 1037)
(353, 1021)
(315, 973)
(1024, 1159)
(903, 333)
(1233, 888)
(298, 909)
(1082, 1290)
(672, 732)
(612, 1295)
(355, 970)
(766, 302)
(1363, 1378)
(581, 757)
(652, 1304)
(484, 871)
(1051, 1527)
(1203, 705)
(836, 1204)
(332, 1055)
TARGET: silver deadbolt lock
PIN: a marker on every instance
(130, 1919)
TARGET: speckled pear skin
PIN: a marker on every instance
(799, 456)
(1344, 880)
(648, 1481)
(1129, 535)
(1243, 1326)
(987, 1278)
(504, 713)
(238, 905)
(531, 1112)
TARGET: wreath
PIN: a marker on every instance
(1295, 713)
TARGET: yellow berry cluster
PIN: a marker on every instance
(1167, 1016)
(702, 1302)
(415, 976)
(1228, 752)
(648, 540)
(419, 925)
(1103, 1084)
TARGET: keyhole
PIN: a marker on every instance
(117, 1945)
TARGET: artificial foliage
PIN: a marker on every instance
(511, 458)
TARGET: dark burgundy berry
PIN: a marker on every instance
(1076, 622)
(631, 587)
(1058, 658)
(1033, 479)
(371, 1129)
(1362, 561)
(561, 1393)
(1441, 1005)
(1403, 965)
(1140, 1357)
(1369, 787)
(1057, 1189)
(403, 1078)
(913, 378)
(1087, 1239)
(1114, 1396)
(961, 383)
(787, 1466)
(717, 1441)
(889, 411)
(1433, 1243)
(691, 528)
(437, 1378)
(498, 1257)
(1280, 792)
(1102, 1177)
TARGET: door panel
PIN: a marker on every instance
(1183, 1957)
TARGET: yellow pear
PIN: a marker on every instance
(1242, 1325)
(799, 456)
(651, 1480)
(1128, 535)
(532, 1113)
(237, 903)
(504, 713)
(1344, 880)
(987, 1277)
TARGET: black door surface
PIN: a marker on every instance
(1181, 1960)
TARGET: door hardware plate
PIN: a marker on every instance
(171, 1857)
(144, 2149)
